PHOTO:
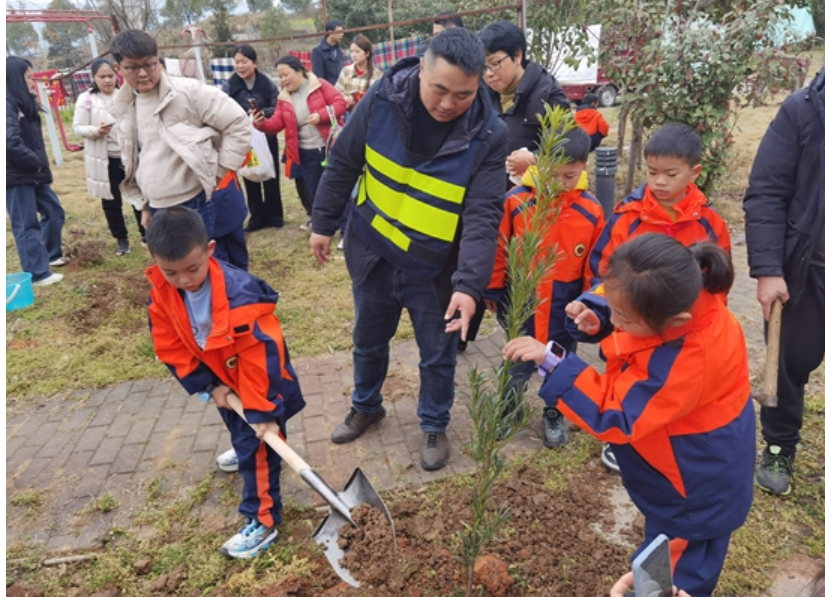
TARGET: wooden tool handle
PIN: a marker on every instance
(772, 354)
(274, 440)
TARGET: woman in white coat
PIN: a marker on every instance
(104, 170)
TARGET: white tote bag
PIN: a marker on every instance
(259, 165)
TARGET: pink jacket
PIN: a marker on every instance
(321, 95)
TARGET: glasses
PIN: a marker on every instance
(494, 66)
(149, 68)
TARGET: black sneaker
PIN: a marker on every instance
(774, 471)
(609, 459)
(555, 432)
(436, 451)
(123, 247)
(462, 345)
(355, 424)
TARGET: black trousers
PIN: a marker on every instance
(802, 348)
(113, 208)
(264, 198)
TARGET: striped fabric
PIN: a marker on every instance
(222, 69)
(381, 51)
(82, 80)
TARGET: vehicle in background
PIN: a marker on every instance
(587, 76)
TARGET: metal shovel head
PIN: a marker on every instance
(357, 492)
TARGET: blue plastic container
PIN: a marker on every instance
(19, 291)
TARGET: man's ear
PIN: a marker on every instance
(676, 321)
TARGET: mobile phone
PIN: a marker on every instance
(253, 103)
(651, 570)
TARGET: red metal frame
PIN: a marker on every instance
(14, 15)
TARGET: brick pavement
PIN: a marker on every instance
(122, 440)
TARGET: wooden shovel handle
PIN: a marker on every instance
(772, 354)
(274, 440)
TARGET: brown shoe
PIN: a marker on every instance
(436, 451)
(355, 424)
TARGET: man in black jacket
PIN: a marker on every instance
(424, 230)
(327, 57)
(785, 228)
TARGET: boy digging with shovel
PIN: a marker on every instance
(215, 327)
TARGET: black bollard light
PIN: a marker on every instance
(606, 161)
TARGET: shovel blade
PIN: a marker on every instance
(357, 492)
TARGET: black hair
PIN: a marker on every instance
(504, 36)
(662, 278)
(332, 25)
(363, 42)
(589, 99)
(460, 47)
(247, 51)
(448, 19)
(293, 63)
(577, 146)
(133, 44)
(17, 89)
(818, 584)
(676, 140)
(174, 232)
(96, 64)
(162, 61)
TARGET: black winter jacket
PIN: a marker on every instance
(263, 91)
(327, 61)
(785, 200)
(26, 158)
(536, 87)
(469, 268)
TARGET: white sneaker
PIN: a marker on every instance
(252, 539)
(609, 459)
(228, 461)
(59, 262)
(53, 279)
(341, 245)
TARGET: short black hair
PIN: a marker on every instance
(448, 19)
(460, 47)
(676, 140)
(504, 36)
(133, 44)
(333, 25)
(17, 89)
(246, 51)
(577, 147)
(174, 232)
(589, 99)
(293, 63)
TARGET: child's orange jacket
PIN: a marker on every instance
(591, 120)
(573, 234)
(640, 213)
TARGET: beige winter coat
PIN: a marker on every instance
(350, 84)
(200, 123)
(90, 111)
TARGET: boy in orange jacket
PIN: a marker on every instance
(590, 119)
(669, 203)
(579, 223)
(215, 327)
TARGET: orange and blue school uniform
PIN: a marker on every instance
(573, 234)
(246, 351)
(590, 119)
(678, 413)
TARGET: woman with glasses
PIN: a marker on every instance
(266, 209)
(519, 89)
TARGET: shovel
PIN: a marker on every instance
(357, 492)
(767, 397)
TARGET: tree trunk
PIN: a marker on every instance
(634, 159)
(623, 114)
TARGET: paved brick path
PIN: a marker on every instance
(119, 439)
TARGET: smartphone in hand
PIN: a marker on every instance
(652, 571)
(253, 103)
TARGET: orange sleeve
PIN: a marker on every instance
(505, 233)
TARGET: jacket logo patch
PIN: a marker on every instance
(242, 328)
(579, 250)
(231, 362)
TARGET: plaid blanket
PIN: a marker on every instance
(222, 69)
(381, 52)
(82, 80)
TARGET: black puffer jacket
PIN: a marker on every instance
(263, 91)
(785, 200)
(536, 87)
(26, 159)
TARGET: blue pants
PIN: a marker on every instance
(38, 241)
(379, 300)
(260, 467)
(696, 564)
(312, 170)
(231, 248)
(202, 206)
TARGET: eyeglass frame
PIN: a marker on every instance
(135, 69)
(491, 68)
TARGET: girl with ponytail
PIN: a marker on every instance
(674, 401)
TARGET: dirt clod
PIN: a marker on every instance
(491, 573)
(142, 566)
(22, 589)
(109, 591)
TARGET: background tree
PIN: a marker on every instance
(219, 28)
(818, 14)
(259, 5)
(21, 38)
(299, 6)
(358, 13)
(179, 13)
(66, 40)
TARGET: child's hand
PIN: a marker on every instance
(587, 321)
(524, 349)
(491, 305)
(262, 428)
(219, 395)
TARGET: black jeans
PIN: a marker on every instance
(802, 348)
(264, 198)
(113, 208)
